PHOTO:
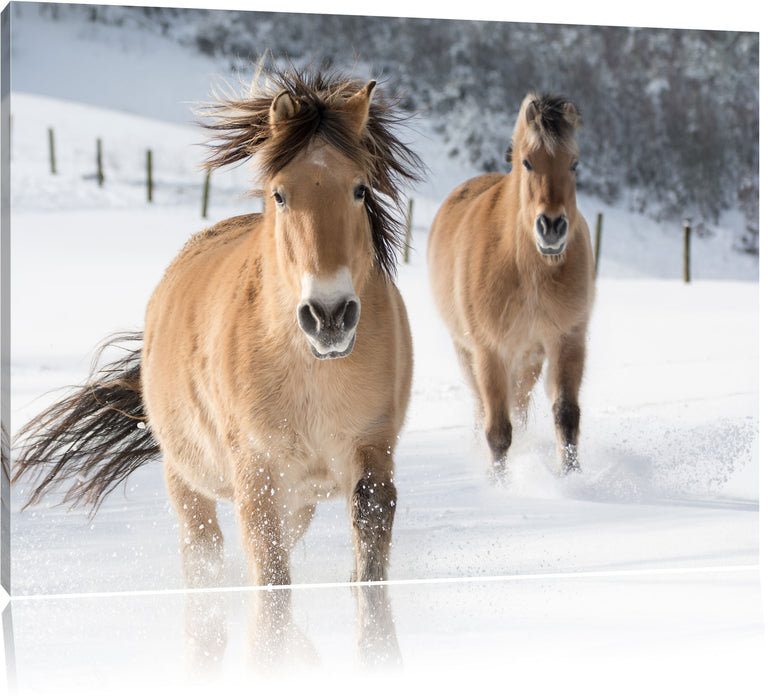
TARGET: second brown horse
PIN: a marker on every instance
(511, 272)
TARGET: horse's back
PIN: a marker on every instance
(464, 234)
(195, 265)
(462, 217)
(213, 237)
(462, 199)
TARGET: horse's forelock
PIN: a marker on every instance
(313, 120)
(549, 122)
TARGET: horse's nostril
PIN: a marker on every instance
(315, 318)
(552, 230)
(561, 225)
(351, 314)
(309, 318)
(542, 225)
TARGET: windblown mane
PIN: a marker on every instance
(550, 122)
(243, 128)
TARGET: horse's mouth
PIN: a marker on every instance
(554, 250)
(321, 354)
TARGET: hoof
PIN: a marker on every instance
(569, 460)
(498, 474)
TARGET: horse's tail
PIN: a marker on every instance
(93, 439)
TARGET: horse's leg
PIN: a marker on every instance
(274, 639)
(263, 536)
(201, 538)
(493, 385)
(377, 643)
(564, 377)
(372, 509)
(524, 381)
(466, 362)
(205, 630)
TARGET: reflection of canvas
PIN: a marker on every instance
(451, 634)
(657, 437)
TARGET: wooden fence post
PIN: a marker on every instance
(408, 232)
(149, 174)
(687, 251)
(100, 175)
(598, 230)
(52, 157)
(206, 194)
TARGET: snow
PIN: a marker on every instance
(655, 429)
(643, 567)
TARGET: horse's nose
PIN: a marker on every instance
(318, 318)
(328, 313)
(552, 231)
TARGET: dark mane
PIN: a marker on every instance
(242, 125)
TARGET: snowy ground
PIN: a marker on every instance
(644, 565)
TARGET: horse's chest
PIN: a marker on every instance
(319, 405)
(307, 419)
(514, 318)
(313, 414)
(310, 459)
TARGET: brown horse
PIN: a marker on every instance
(512, 275)
(276, 359)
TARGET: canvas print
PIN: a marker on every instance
(318, 299)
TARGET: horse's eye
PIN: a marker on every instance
(527, 165)
(280, 200)
(360, 192)
(574, 166)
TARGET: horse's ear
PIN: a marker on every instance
(283, 107)
(531, 111)
(573, 117)
(357, 106)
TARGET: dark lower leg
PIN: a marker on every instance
(372, 509)
(566, 414)
(493, 384)
(565, 376)
(499, 436)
